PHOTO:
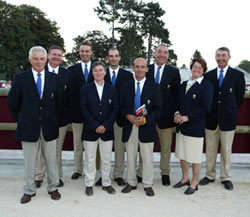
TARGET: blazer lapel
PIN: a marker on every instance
(164, 73)
(32, 82)
(150, 73)
(146, 88)
(227, 77)
(46, 83)
(107, 77)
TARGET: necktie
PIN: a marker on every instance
(86, 73)
(189, 85)
(221, 76)
(113, 78)
(39, 84)
(137, 97)
(157, 77)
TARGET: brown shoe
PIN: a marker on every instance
(75, 176)
(149, 191)
(55, 195)
(109, 189)
(26, 198)
(128, 188)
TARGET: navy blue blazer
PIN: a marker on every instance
(169, 86)
(226, 100)
(151, 97)
(196, 104)
(123, 76)
(76, 82)
(32, 113)
(98, 112)
(63, 75)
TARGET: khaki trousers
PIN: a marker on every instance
(105, 148)
(146, 150)
(41, 166)
(30, 152)
(212, 141)
(78, 147)
(119, 152)
(165, 137)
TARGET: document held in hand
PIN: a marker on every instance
(142, 111)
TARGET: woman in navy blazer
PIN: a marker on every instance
(99, 108)
(195, 101)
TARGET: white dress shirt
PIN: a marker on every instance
(88, 66)
(51, 69)
(99, 89)
(42, 78)
(161, 71)
(141, 84)
(111, 72)
(224, 71)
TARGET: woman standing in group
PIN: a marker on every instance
(195, 101)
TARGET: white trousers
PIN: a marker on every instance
(105, 148)
(146, 150)
(30, 152)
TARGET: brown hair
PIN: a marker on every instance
(87, 43)
(99, 63)
(199, 60)
(224, 49)
(55, 47)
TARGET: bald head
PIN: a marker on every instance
(140, 68)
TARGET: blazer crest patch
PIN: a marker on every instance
(194, 96)
(148, 102)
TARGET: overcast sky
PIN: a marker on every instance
(193, 24)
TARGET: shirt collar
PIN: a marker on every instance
(224, 70)
(199, 80)
(51, 68)
(162, 67)
(35, 72)
(141, 81)
(101, 86)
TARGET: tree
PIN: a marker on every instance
(197, 54)
(245, 65)
(22, 27)
(100, 44)
(108, 11)
(15, 40)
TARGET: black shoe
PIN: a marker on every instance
(149, 191)
(128, 188)
(139, 179)
(99, 182)
(190, 190)
(89, 191)
(61, 184)
(55, 195)
(180, 184)
(75, 176)
(165, 180)
(228, 185)
(205, 181)
(120, 181)
(26, 198)
(109, 189)
(38, 183)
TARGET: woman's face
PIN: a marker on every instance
(197, 70)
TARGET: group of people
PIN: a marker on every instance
(110, 105)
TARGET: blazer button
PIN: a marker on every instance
(100, 104)
(100, 113)
(219, 102)
(219, 92)
(40, 118)
(41, 108)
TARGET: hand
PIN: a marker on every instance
(183, 119)
(177, 118)
(100, 130)
(131, 118)
(139, 121)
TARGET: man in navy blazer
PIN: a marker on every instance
(81, 74)
(168, 77)
(140, 129)
(229, 90)
(55, 57)
(117, 76)
(35, 101)
(99, 108)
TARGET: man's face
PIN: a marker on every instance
(38, 60)
(85, 53)
(222, 57)
(140, 68)
(99, 72)
(55, 57)
(114, 58)
(161, 55)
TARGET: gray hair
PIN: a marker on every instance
(37, 48)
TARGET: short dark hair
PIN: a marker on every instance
(87, 43)
(99, 63)
(199, 60)
(224, 49)
(112, 48)
(55, 47)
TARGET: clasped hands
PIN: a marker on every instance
(180, 119)
(138, 121)
(100, 130)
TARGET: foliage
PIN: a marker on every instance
(245, 65)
